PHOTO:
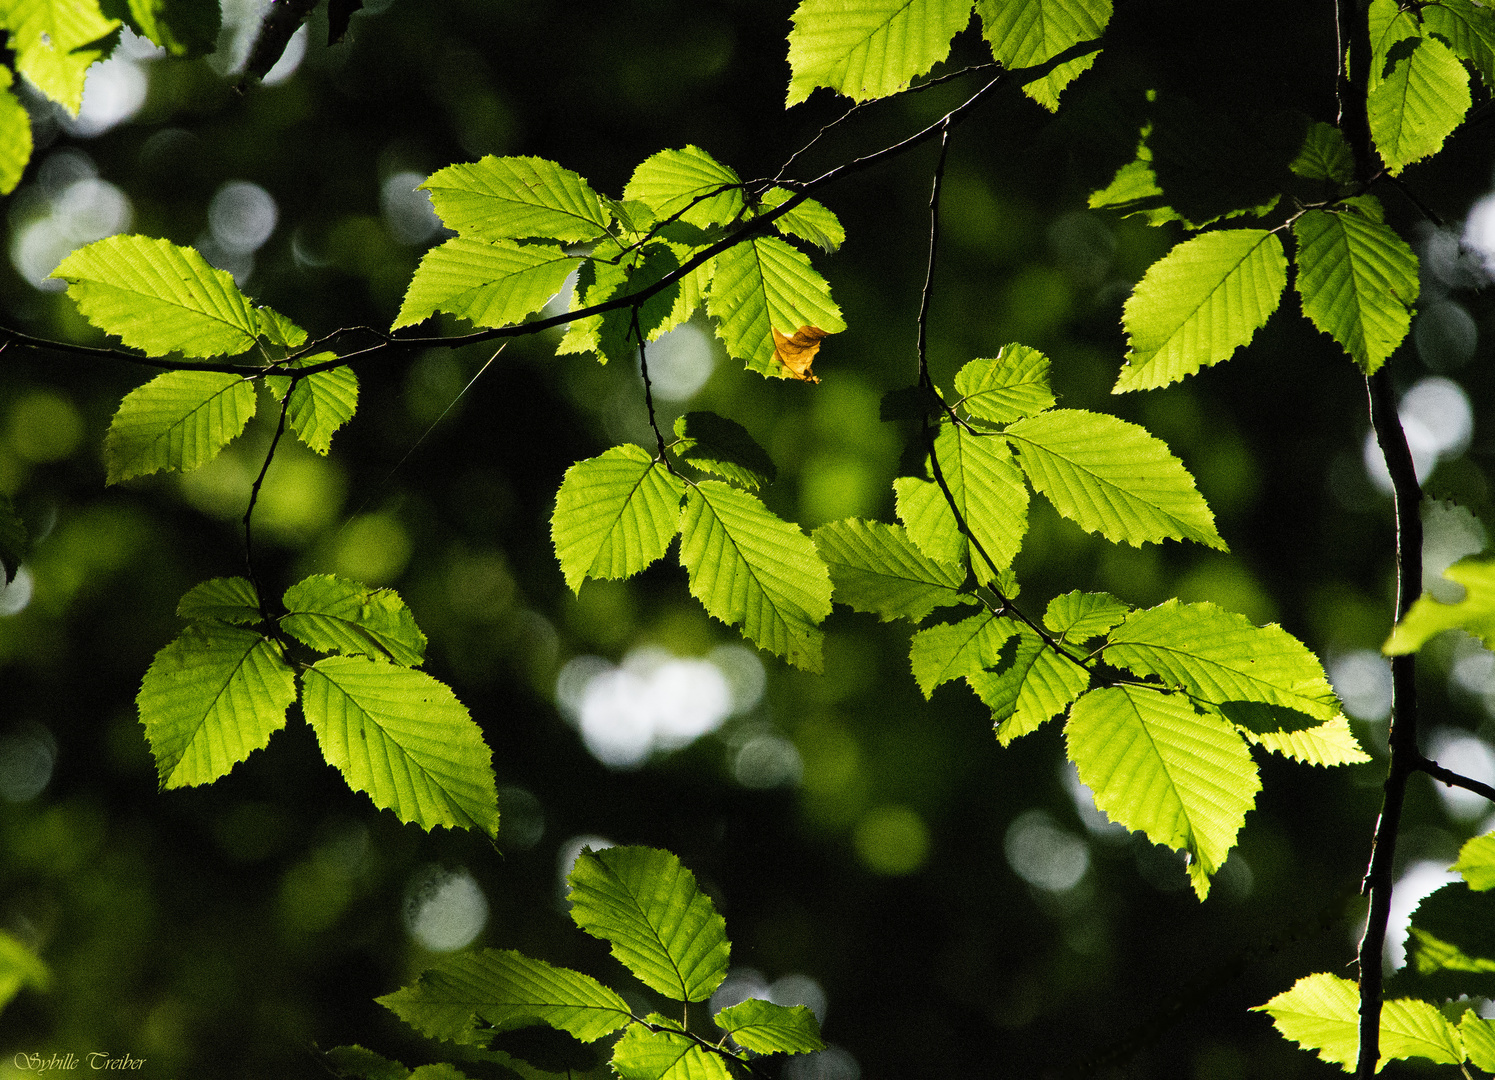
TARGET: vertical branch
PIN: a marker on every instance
(934, 244)
(1405, 757)
(643, 363)
(254, 498)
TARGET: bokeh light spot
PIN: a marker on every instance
(27, 757)
(44, 426)
(242, 216)
(1045, 855)
(407, 208)
(1362, 679)
(680, 362)
(444, 909)
(891, 840)
(373, 549)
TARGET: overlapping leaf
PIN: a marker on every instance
(687, 184)
(717, 445)
(489, 284)
(763, 285)
(1479, 1040)
(320, 404)
(809, 221)
(229, 600)
(956, 650)
(404, 739)
(19, 968)
(1024, 33)
(877, 568)
(211, 698)
(749, 568)
(1477, 862)
(159, 298)
(766, 1028)
(1028, 687)
(1358, 280)
(869, 49)
(1079, 616)
(15, 135)
(1112, 477)
(178, 420)
(1475, 614)
(988, 493)
(1013, 385)
(1469, 30)
(614, 515)
(332, 614)
(1322, 1012)
(516, 198)
(665, 1053)
(181, 27)
(1157, 766)
(1451, 943)
(55, 42)
(506, 989)
(1329, 743)
(1220, 657)
(659, 923)
(1324, 155)
(1418, 91)
(1199, 303)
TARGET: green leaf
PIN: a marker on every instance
(809, 221)
(615, 273)
(1220, 657)
(506, 989)
(750, 568)
(988, 492)
(717, 445)
(1111, 477)
(159, 298)
(1199, 303)
(55, 42)
(20, 968)
(1158, 767)
(1024, 33)
(766, 1028)
(659, 923)
(1028, 687)
(363, 1063)
(1418, 91)
(320, 403)
(489, 284)
(1324, 155)
(15, 135)
(1076, 617)
(332, 614)
(876, 567)
(13, 541)
(1469, 30)
(1322, 1012)
(1475, 614)
(1479, 1040)
(1477, 862)
(869, 49)
(1451, 943)
(1013, 385)
(181, 27)
(279, 330)
(614, 515)
(516, 198)
(404, 739)
(765, 285)
(1358, 280)
(211, 698)
(665, 1054)
(1330, 743)
(227, 600)
(178, 420)
(689, 185)
(955, 650)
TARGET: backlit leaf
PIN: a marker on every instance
(178, 420)
(877, 568)
(280, 330)
(320, 404)
(1358, 280)
(159, 298)
(614, 515)
(765, 285)
(766, 1028)
(665, 1054)
(796, 352)
(1024, 33)
(1199, 303)
(749, 568)
(506, 989)
(660, 925)
(1475, 614)
(723, 447)
(211, 698)
(687, 184)
(1028, 687)
(988, 492)
(229, 600)
(1079, 616)
(1330, 743)
(1479, 1040)
(1469, 30)
(1157, 766)
(1416, 104)
(1013, 385)
(1324, 155)
(1477, 862)
(869, 48)
(488, 284)
(1111, 477)
(1322, 1012)
(1451, 943)
(55, 42)
(332, 614)
(954, 650)
(181, 27)
(809, 221)
(517, 198)
(15, 135)
(403, 738)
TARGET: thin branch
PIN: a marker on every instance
(1405, 756)
(254, 498)
(1411, 196)
(643, 363)
(1453, 779)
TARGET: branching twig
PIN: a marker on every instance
(254, 498)
(1453, 779)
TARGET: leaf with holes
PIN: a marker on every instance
(1159, 767)
(332, 614)
(210, 699)
(1023, 33)
(517, 198)
(660, 925)
(1199, 303)
(178, 420)
(750, 568)
(614, 515)
(870, 49)
(1112, 477)
(877, 568)
(403, 738)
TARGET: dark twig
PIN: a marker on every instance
(1411, 196)
(254, 498)
(1453, 779)
(1405, 756)
(643, 363)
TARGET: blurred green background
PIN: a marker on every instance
(949, 907)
